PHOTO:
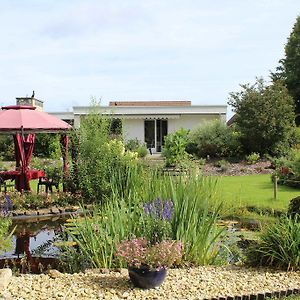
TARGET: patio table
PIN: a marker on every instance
(17, 175)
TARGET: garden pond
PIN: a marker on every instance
(33, 243)
(34, 238)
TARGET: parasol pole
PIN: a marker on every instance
(23, 150)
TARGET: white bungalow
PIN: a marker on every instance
(151, 121)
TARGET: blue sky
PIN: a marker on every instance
(69, 51)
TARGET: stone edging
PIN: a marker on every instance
(51, 211)
(260, 296)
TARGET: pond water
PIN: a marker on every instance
(33, 239)
(36, 236)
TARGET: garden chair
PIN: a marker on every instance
(49, 183)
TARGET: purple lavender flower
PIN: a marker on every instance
(168, 210)
(6, 207)
(8, 204)
(159, 209)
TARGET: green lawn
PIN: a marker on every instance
(239, 192)
(254, 190)
(34, 183)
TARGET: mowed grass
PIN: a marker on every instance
(34, 183)
(238, 192)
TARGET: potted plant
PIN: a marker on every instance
(147, 262)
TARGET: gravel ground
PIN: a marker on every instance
(191, 283)
(238, 169)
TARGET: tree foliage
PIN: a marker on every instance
(7, 151)
(265, 117)
(289, 67)
(47, 145)
(97, 158)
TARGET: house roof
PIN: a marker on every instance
(231, 120)
(151, 103)
(153, 110)
(164, 109)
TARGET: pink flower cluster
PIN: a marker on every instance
(139, 251)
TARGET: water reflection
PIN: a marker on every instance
(35, 236)
(32, 242)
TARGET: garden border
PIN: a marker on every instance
(260, 296)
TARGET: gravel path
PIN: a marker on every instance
(192, 283)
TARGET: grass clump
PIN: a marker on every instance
(252, 158)
(5, 236)
(279, 245)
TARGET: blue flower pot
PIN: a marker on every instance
(146, 279)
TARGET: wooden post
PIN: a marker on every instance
(275, 187)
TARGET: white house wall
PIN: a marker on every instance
(133, 128)
(187, 117)
(189, 122)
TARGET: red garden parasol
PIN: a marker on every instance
(25, 120)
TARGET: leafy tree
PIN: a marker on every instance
(7, 151)
(289, 67)
(99, 160)
(265, 117)
(47, 145)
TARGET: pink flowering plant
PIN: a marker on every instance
(140, 252)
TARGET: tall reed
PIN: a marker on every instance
(122, 216)
(194, 223)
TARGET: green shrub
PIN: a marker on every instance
(252, 158)
(214, 139)
(278, 246)
(222, 164)
(132, 144)
(282, 161)
(201, 161)
(96, 157)
(71, 260)
(175, 148)
(287, 171)
(47, 164)
(294, 208)
(142, 151)
(136, 146)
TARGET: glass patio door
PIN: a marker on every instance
(155, 131)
